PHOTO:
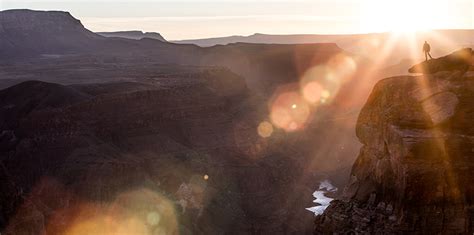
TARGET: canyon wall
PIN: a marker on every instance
(415, 170)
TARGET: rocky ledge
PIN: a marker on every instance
(461, 61)
(415, 170)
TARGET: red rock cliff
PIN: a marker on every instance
(415, 170)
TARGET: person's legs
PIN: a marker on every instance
(426, 56)
(430, 55)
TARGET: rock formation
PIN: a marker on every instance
(415, 170)
(26, 32)
(136, 35)
(264, 67)
(62, 146)
(119, 115)
(461, 61)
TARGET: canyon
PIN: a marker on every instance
(90, 124)
(413, 174)
(129, 134)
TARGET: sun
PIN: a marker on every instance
(399, 15)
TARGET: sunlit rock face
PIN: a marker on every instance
(415, 170)
(460, 61)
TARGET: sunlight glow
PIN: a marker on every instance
(403, 15)
(289, 111)
(312, 92)
(293, 104)
(141, 212)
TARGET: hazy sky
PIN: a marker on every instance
(184, 19)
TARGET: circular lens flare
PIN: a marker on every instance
(321, 83)
(289, 111)
(312, 92)
(342, 66)
(153, 218)
(265, 129)
(136, 212)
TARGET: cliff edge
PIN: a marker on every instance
(415, 170)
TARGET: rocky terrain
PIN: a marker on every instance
(414, 172)
(461, 60)
(24, 33)
(66, 42)
(137, 35)
(103, 135)
(94, 130)
(61, 147)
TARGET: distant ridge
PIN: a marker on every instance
(27, 32)
(464, 36)
(361, 44)
(60, 36)
(264, 38)
(135, 34)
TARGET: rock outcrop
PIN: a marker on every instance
(26, 32)
(136, 35)
(415, 170)
(29, 34)
(460, 61)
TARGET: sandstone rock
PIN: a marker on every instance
(440, 107)
(460, 60)
(423, 129)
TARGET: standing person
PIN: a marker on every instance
(426, 50)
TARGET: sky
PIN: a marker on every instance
(190, 19)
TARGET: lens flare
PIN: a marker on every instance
(265, 129)
(289, 111)
(312, 92)
(138, 212)
(291, 108)
(325, 94)
(321, 83)
(342, 67)
(107, 225)
(153, 218)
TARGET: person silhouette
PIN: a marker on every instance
(426, 50)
